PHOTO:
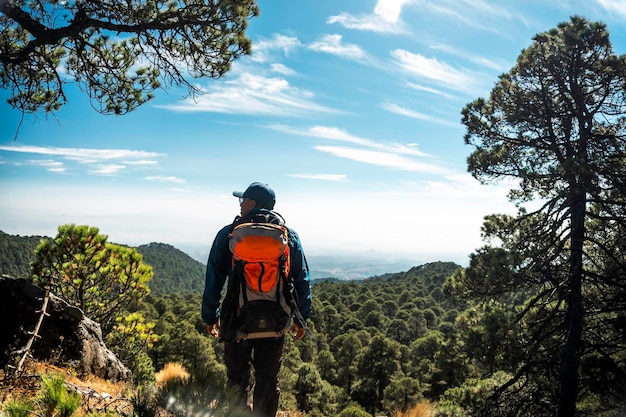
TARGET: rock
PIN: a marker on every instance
(68, 337)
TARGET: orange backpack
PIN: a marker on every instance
(260, 248)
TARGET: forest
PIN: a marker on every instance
(386, 344)
(384, 323)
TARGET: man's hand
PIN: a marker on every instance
(296, 331)
(213, 329)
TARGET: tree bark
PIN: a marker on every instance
(571, 351)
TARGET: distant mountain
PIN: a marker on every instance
(16, 254)
(432, 274)
(355, 266)
(174, 270)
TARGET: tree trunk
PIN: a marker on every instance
(571, 351)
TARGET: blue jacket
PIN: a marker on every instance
(219, 268)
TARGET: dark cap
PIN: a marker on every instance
(259, 192)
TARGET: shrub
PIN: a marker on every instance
(55, 399)
(354, 411)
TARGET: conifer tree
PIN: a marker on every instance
(101, 278)
(118, 53)
(555, 127)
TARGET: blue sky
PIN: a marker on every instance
(349, 109)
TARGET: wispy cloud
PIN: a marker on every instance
(479, 60)
(395, 108)
(431, 69)
(107, 169)
(387, 15)
(389, 155)
(477, 14)
(255, 95)
(384, 19)
(168, 179)
(141, 162)
(337, 134)
(485, 8)
(49, 164)
(263, 49)
(100, 161)
(383, 159)
(83, 154)
(431, 90)
(282, 69)
(322, 177)
(614, 6)
(332, 44)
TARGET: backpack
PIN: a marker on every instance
(260, 269)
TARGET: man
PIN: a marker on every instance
(266, 353)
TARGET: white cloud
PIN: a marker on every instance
(253, 94)
(83, 154)
(384, 159)
(389, 10)
(385, 18)
(161, 178)
(337, 134)
(107, 169)
(480, 60)
(331, 44)
(395, 108)
(472, 13)
(262, 49)
(323, 177)
(434, 70)
(100, 161)
(419, 87)
(49, 164)
(614, 6)
(282, 69)
(140, 162)
(370, 23)
(492, 9)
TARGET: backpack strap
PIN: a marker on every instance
(262, 215)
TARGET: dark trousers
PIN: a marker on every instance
(266, 356)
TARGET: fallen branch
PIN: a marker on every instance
(35, 333)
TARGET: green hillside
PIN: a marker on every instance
(174, 270)
(16, 254)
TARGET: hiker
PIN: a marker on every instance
(255, 337)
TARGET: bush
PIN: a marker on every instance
(354, 411)
(17, 409)
(55, 399)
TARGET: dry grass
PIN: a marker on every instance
(171, 372)
(423, 409)
(97, 394)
